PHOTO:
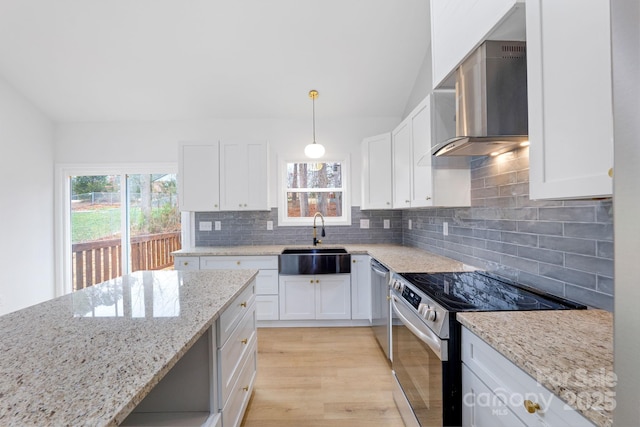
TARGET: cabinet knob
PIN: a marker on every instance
(243, 304)
(311, 281)
(354, 261)
(610, 172)
(186, 263)
(531, 407)
(427, 198)
(215, 206)
(244, 341)
(407, 201)
(388, 298)
(245, 388)
(237, 262)
(388, 203)
(317, 280)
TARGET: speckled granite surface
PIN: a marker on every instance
(401, 259)
(569, 352)
(88, 358)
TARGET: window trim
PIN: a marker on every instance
(345, 219)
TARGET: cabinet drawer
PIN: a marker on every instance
(231, 356)
(234, 313)
(186, 263)
(233, 411)
(267, 282)
(513, 385)
(219, 262)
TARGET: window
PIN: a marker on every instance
(310, 187)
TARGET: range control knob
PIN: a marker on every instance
(397, 285)
(427, 312)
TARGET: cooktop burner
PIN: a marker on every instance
(480, 291)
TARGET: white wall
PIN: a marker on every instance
(82, 143)
(26, 202)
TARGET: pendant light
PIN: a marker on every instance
(314, 150)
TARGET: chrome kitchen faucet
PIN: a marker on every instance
(316, 242)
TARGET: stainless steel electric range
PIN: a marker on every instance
(426, 344)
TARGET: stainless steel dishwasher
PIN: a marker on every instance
(380, 306)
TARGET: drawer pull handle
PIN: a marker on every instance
(237, 262)
(244, 341)
(243, 304)
(531, 407)
(610, 173)
(245, 388)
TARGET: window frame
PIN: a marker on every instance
(284, 220)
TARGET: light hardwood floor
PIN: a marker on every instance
(309, 377)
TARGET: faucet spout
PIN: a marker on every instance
(316, 241)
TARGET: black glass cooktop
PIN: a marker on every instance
(475, 291)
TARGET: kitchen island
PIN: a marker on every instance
(90, 357)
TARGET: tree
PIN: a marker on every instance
(88, 184)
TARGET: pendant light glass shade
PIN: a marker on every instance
(314, 150)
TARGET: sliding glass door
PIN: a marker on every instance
(120, 223)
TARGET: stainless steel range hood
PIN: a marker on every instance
(491, 102)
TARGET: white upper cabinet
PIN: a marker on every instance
(570, 101)
(243, 176)
(198, 179)
(376, 172)
(401, 158)
(419, 179)
(227, 176)
(459, 26)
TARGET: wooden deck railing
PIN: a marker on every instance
(101, 260)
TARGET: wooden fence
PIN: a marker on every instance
(101, 260)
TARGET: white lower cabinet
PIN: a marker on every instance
(267, 295)
(315, 297)
(361, 287)
(236, 356)
(496, 392)
(266, 281)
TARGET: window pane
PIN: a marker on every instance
(314, 175)
(154, 220)
(95, 229)
(306, 204)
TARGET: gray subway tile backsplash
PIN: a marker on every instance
(561, 247)
(564, 247)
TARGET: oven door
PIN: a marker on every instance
(419, 357)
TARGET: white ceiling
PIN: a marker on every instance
(105, 60)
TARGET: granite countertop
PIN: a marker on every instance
(568, 352)
(401, 259)
(89, 357)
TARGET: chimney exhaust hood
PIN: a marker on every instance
(491, 102)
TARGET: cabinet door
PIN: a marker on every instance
(570, 102)
(243, 176)
(333, 296)
(198, 177)
(267, 307)
(459, 26)
(481, 407)
(376, 172)
(360, 287)
(422, 178)
(297, 298)
(401, 155)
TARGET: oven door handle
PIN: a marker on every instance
(424, 334)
